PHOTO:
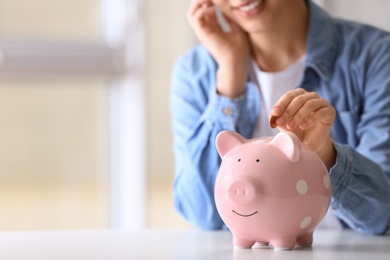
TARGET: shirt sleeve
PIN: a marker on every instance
(361, 177)
(198, 115)
(360, 192)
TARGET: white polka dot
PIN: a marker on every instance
(301, 187)
(305, 222)
(326, 181)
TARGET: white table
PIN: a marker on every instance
(179, 244)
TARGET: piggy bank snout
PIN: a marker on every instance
(242, 191)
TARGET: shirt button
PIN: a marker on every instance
(228, 111)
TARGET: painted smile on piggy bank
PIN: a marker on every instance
(272, 189)
(245, 216)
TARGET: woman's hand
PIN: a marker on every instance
(229, 49)
(308, 116)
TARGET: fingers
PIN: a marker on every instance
(301, 109)
(202, 17)
(279, 115)
(308, 116)
(325, 116)
(196, 5)
(200, 8)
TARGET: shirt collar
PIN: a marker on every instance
(321, 47)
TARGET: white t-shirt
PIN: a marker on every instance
(272, 86)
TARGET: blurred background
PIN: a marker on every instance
(85, 137)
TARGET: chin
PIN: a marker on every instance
(254, 28)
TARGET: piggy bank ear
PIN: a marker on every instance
(289, 144)
(227, 140)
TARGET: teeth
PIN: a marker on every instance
(251, 6)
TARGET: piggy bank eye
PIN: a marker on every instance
(258, 160)
(239, 160)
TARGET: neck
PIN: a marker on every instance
(278, 47)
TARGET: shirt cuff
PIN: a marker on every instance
(337, 172)
(224, 111)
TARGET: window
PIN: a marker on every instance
(71, 114)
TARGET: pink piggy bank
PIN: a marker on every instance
(271, 190)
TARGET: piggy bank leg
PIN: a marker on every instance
(285, 243)
(242, 243)
(305, 240)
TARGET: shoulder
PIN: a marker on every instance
(196, 59)
(352, 27)
(362, 39)
(196, 67)
(194, 73)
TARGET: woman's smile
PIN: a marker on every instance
(251, 8)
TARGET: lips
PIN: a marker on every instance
(250, 9)
(251, 6)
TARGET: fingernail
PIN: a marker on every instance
(276, 110)
(280, 121)
(272, 121)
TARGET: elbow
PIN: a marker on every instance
(373, 226)
(379, 228)
(372, 231)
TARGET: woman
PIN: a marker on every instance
(326, 80)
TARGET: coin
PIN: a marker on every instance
(272, 121)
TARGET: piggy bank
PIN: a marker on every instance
(271, 190)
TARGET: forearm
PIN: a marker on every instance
(361, 192)
(231, 79)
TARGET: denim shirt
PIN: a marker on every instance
(348, 64)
